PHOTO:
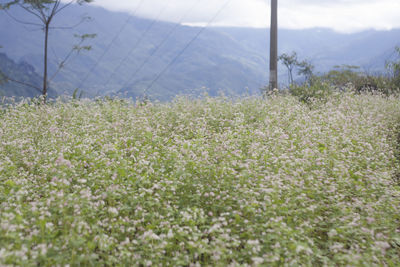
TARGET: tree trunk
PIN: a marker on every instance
(273, 65)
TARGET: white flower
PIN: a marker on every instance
(170, 234)
(257, 260)
(113, 210)
(332, 233)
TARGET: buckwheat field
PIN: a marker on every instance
(201, 182)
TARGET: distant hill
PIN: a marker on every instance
(324, 47)
(229, 60)
(214, 61)
(22, 72)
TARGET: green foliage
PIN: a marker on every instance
(394, 68)
(207, 182)
(82, 38)
(342, 75)
(316, 90)
(347, 77)
(304, 68)
(75, 95)
(340, 79)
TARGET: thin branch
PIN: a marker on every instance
(42, 19)
(54, 10)
(6, 78)
(20, 21)
(70, 27)
(39, 8)
(55, 54)
(64, 6)
(62, 63)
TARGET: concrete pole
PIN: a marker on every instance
(273, 63)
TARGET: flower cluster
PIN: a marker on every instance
(200, 182)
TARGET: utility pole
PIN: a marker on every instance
(273, 60)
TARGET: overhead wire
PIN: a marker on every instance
(155, 50)
(110, 44)
(186, 47)
(140, 40)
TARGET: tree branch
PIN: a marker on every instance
(36, 4)
(41, 18)
(6, 78)
(54, 10)
(20, 21)
(61, 65)
(70, 27)
(64, 6)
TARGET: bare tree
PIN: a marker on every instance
(273, 65)
(44, 11)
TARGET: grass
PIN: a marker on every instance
(200, 182)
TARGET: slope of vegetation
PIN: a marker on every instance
(22, 72)
(207, 182)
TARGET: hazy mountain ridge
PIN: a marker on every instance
(325, 47)
(22, 72)
(221, 59)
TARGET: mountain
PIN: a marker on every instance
(324, 47)
(22, 72)
(214, 60)
(154, 58)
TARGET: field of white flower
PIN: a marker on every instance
(200, 182)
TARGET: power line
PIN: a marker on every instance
(110, 44)
(137, 43)
(187, 46)
(161, 44)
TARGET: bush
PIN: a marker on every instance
(350, 78)
(317, 90)
(393, 68)
(379, 83)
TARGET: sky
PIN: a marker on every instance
(346, 16)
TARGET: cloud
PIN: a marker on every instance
(340, 15)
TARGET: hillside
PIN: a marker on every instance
(324, 47)
(22, 72)
(225, 60)
(213, 61)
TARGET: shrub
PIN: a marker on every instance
(316, 90)
(393, 68)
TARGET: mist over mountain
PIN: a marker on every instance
(229, 60)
